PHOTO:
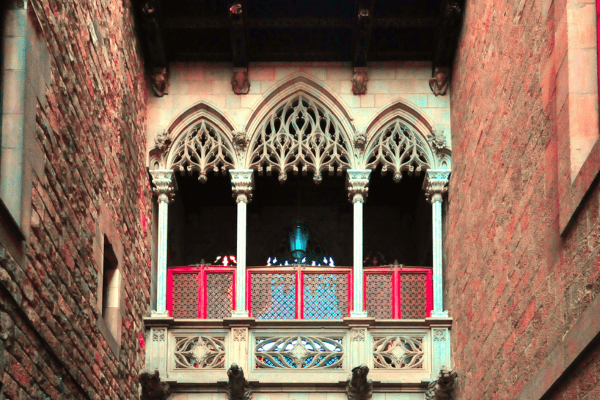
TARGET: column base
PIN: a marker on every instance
(239, 314)
(358, 314)
(439, 314)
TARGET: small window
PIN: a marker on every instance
(110, 288)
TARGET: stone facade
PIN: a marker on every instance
(84, 186)
(522, 243)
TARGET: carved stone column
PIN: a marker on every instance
(435, 186)
(242, 183)
(358, 187)
(165, 186)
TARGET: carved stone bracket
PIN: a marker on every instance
(358, 185)
(238, 387)
(242, 183)
(240, 84)
(443, 386)
(359, 80)
(152, 387)
(358, 386)
(439, 83)
(437, 139)
(160, 81)
(435, 184)
(165, 184)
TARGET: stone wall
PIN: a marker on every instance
(517, 280)
(85, 182)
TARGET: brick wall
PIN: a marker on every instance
(86, 172)
(514, 284)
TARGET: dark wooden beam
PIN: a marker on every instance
(239, 35)
(447, 36)
(151, 12)
(362, 32)
(191, 23)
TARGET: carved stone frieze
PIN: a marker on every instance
(239, 81)
(165, 184)
(358, 386)
(358, 185)
(152, 387)
(238, 387)
(359, 80)
(435, 184)
(242, 183)
(443, 387)
(439, 83)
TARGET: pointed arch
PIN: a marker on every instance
(300, 124)
(200, 140)
(401, 138)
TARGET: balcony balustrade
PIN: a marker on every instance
(299, 292)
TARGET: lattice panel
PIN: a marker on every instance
(398, 352)
(414, 296)
(379, 296)
(273, 296)
(299, 352)
(202, 352)
(185, 295)
(219, 287)
(325, 296)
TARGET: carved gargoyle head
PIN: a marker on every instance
(152, 387)
(360, 140)
(162, 140)
(447, 379)
(159, 79)
(239, 81)
(240, 139)
(359, 81)
(437, 139)
(359, 375)
(238, 387)
(439, 83)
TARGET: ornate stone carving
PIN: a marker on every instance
(239, 81)
(300, 134)
(443, 387)
(359, 80)
(165, 184)
(398, 352)
(439, 335)
(240, 140)
(202, 352)
(203, 148)
(435, 184)
(242, 184)
(160, 80)
(358, 185)
(439, 83)
(239, 334)
(399, 148)
(162, 141)
(152, 387)
(358, 334)
(358, 386)
(159, 334)
(238, 387)
(437, 139)
(360, 140)
(299, 352)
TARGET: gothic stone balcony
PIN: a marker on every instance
(299, 327)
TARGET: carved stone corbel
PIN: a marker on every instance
(238, 387)
(439, 83)
(160, 81)
(359, 80)
(443, 387)
(358, 387)
(152, 387)
(240, 84)
(165, 184)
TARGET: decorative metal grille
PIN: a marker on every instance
(273, 296)
(414, 292)
(299, 352)
(325, 296)
(398, 352)
(219, 299)
(202, 352)
(202, 149)
(399, 148)
(185, 295)
(379, 296)
(300, 133)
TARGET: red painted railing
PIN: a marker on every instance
(299, 292)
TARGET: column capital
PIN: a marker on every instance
(435, 184)
(242, 183)
(358, 184)
(165, 184)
